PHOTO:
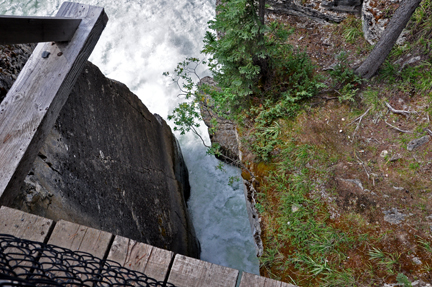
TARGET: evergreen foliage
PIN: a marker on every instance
(259, 75)
(251, 61)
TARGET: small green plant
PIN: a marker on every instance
(388, 71)
(352, 29)
(340, 278)
(371, 99)
(266, 138)
(316, 267)
(401, 278)
(376, 254)
(414, 165)
(426, 245)
(347, 93)
(389, 260)
(259, 207)
(233, 180)
(345, 81)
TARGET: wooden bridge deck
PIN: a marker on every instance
(160, 264)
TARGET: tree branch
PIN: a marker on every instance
(403, 112)
(398, 129)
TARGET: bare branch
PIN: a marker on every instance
(197, 133)
(362, 163)
(398, 129)
(403, 112)
(360, 118)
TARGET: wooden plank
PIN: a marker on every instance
(152, 261)
(24, 225)
(81, 238)
(32, 105)
(20, 30)
(158, 265)
(190, 272)
(76, 238)
(252, 280)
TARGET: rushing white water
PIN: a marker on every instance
(143, 39)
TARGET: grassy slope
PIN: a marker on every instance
(326, 176)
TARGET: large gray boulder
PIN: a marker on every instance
(110, 164)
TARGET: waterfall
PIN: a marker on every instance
(143, 39)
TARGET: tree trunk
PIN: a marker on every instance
(381, 50)
(261, 9)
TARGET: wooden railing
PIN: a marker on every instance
(32, 105)
(21, 30)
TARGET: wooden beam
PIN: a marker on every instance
(20, 30)
(31, 107)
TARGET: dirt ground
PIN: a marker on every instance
(385, 169)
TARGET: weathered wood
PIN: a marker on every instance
(20, 30)
(158, 265)
(25, 226)
(152, 261)
(30, 109)
(252, 280)
(190, 272)
(77, 238)
(81, 238)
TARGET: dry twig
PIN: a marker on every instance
(360, 118)
(398, 129)
(362, 163)
(403, 112)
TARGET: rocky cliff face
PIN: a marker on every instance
(225, 134)
(110, 164)
(12, 60)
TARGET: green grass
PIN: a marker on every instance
(352, 29)
(302, 220)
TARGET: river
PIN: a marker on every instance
(143, 39)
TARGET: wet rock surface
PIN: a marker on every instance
(110, 164)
